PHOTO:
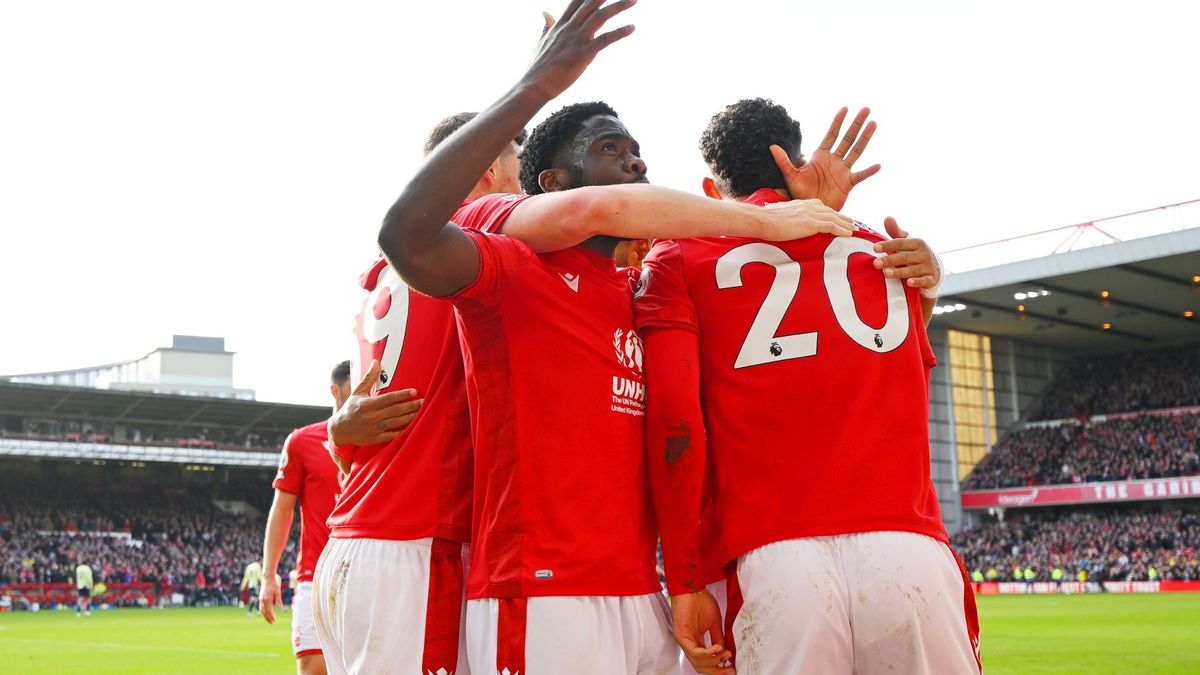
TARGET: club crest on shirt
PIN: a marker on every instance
(629, 349)
(628, 391)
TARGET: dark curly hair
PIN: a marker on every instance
(453, 123)
(549, 137)
(736, 145)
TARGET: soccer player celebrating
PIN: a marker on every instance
(83, 587)
(306, 475)
(798, 372)
(558, 446)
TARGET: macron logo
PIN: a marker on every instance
(572, 280)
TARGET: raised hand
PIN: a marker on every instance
(801, 218)
(827, 175)
(695, 614)
(569, 44)
(909, 259)
(368, 420)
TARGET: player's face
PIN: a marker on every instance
(508, 170)
(604, 153)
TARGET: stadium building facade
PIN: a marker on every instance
(192, 366)
(1004, 332)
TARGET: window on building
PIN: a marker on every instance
(974, 398)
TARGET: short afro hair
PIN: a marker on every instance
(549, 137)
(737, 145)
(451, 124)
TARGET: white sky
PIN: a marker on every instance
(221, 168)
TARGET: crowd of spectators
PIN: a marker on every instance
(1163, 378)
(179, 541)
(1107, 544)
(101, 431)
(1148, 446)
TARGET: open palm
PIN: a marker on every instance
(828, 174)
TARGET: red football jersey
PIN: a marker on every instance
(306, 470)
(814, 377)
(554, 380)
(419, 484)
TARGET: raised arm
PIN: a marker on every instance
(652, 212)
(430, 253)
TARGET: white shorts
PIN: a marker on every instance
(862, 604)
(391, 607)
(719, 591)
(579, 635)
(304, 629)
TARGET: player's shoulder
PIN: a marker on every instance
(309, 435)
(685, 253)
(487, 212)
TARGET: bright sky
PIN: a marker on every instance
(221, 168)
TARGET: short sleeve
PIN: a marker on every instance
(290, 477)
(488, 213)
(661, 299)
(500, 257)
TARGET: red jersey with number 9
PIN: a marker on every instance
(814, 378)
(419, 484)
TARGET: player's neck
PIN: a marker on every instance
(779, 191)
(604, 245)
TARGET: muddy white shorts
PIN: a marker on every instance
(579, 635)
(875, 603)
(304, 629)
(389, 607)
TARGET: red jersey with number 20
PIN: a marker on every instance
(306, 470)
(814, 371)
(554, 379)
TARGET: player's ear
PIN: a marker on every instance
(489, 176)
(554, 180)
(335, 392)
(710, 188)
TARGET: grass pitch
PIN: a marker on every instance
(1111, 634)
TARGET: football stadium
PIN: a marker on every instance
(579, 423)
(1065, 446)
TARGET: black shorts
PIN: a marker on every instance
(85, 592)
(252, 591)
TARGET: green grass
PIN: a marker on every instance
(1110, 634)
(220, 640)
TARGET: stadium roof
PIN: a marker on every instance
(1142, 293)
(59, 402)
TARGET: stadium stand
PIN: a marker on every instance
(1108, 543)
(146, 533)
(164, 495)
(1103, 420)
(78, 414)
(1144, 446)
(1151, 380)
